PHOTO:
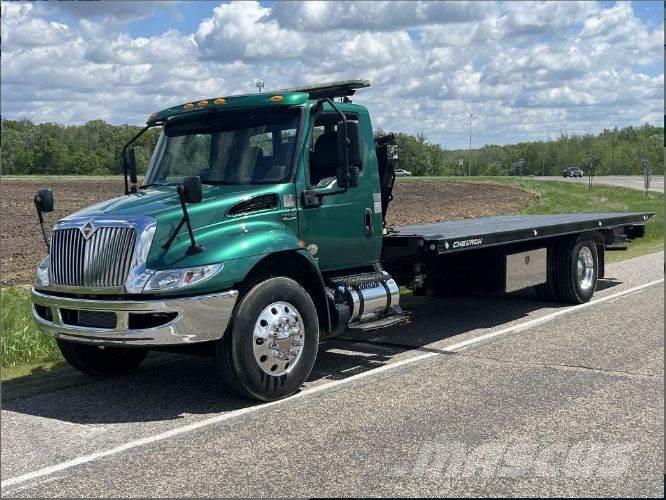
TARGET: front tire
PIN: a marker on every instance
(270, 350)
(101, 361)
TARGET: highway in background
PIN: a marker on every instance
(630, 181)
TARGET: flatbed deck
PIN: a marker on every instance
(457, 236)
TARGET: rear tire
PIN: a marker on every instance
(270, 349)
(573, 269)
(101, 361)
(575, 272)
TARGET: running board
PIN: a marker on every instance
(381, 323)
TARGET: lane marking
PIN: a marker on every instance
(549, 317)
(68, 464)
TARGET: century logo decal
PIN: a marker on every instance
(88, 229)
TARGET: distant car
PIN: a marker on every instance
(400, 172)
(572, 172)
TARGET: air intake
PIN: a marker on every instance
(254, 204)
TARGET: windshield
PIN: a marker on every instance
(234, 147)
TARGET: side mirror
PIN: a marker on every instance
(190, 189)
(343, 177)
(347, 180)
(132, 166)
(353, 149)
(43, 204)
(353, 177)
(44, 200)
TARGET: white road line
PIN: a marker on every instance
(46, 471)
(548, 317)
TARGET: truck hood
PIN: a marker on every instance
(162, 203)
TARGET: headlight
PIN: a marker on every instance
(42, 275)
(171, 279)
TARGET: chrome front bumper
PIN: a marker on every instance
(196, 319)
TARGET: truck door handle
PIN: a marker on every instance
(369, 222)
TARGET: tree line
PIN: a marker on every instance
(612, 152)
(95, 149)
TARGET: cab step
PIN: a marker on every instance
(399, 319)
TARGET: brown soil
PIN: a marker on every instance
(420, 202)
(414, 203)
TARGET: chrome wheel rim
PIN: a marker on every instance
(278, 338)
(585, 268)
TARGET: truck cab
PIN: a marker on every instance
(259, 230)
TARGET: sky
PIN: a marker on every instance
(524, 70)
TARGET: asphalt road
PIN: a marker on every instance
(478, 397)
(630, 181)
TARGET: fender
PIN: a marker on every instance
(299, 265)
(226, 242)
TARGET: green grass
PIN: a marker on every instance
(564, 197)
(21, 341)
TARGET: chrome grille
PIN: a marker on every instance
(103, 260)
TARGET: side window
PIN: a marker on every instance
(324, 160)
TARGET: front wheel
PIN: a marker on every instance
(101, 361)
(271, 347)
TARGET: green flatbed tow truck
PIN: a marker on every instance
(259, 229)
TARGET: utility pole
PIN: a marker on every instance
(469, 167)
(260, 85)
(613, 152)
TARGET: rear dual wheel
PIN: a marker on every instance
(271, 347)
(573, 272)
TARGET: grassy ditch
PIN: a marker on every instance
(22, 344)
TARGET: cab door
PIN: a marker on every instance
(345, 230)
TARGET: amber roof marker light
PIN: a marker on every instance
(277, 98)
(219, 100)
(188, 105)
(202, 103)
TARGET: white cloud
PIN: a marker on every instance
(318, 16)
(244, 30)
(524, 70)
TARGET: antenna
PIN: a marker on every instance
(260, 85)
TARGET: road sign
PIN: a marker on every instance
(460, 162)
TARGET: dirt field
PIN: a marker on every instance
(414, 202)
(419, 202)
